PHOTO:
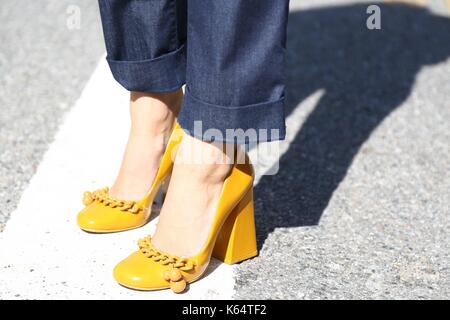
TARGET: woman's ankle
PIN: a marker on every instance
(209, 162)
(153, 114)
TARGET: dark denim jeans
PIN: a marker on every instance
(229, 53)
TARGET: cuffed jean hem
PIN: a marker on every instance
(255, 123)
(165, 73)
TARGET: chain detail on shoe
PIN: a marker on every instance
(103, 197)
(147, 248)
(173, 274)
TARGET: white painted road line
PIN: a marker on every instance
(43, 254)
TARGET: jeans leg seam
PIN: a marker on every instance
(247, 106)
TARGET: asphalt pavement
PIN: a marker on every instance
(45, 61)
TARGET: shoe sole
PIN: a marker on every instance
(111, 231)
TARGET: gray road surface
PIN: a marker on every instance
(43, 68)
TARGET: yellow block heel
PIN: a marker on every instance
(104, 214)
(237, 238)
(232, 238)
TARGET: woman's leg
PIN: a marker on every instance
(235, 80)
(236, 69)
(145, 45)
(152, 119)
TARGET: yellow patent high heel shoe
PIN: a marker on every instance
(103, 213)
(232, 239)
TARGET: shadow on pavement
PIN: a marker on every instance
(365, 74)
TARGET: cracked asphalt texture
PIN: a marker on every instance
(360, 208)
(43, 68)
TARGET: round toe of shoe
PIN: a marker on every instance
(86, 219)
(93, 218)
(97, 218)
(140, 273)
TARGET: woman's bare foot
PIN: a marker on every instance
(152, 119)
(195, 188)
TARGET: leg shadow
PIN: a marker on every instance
(365, 75)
